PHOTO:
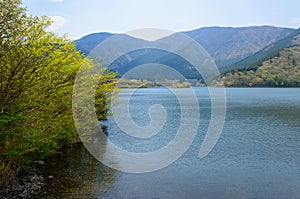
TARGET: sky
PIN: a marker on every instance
(77, 18)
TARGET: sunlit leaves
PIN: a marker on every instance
(37, 74)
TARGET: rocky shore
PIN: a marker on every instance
(28, 184)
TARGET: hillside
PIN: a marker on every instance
(87, 43)
(225, 45)
(280, 70)
(267, 52)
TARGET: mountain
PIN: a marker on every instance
(225, 45)
(139, 57)
(280, 70)
(267, 52)
(155, 59)
(87, 43)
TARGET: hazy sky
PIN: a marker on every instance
(77, 18)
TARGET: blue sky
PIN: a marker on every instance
(77, 18)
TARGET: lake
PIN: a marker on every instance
(256, 156)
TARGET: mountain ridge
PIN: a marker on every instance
(226, 45)
(267, 51)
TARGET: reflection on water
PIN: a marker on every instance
(257, 156)
(76, 174)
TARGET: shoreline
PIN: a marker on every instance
(31, 180)
(27, 184)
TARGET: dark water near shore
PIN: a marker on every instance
(257, 155)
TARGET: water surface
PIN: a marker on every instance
(257, 155)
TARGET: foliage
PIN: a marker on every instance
(37, 73)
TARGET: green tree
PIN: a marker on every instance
(37, 74)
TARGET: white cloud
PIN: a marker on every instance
(57, 23)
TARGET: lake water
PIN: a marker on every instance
(257, 155)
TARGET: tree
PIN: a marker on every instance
(37, 73)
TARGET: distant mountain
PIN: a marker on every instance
(282, 69)
(267, 52)
(87, 43)
(154, 58)
(224, 44)
(139, 57)
(227, 45)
